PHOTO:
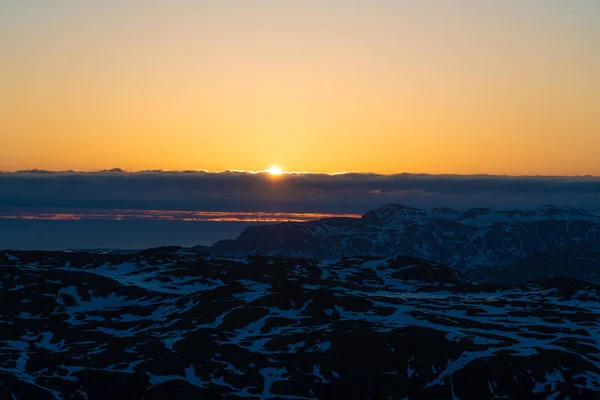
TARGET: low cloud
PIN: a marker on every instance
(243, 191)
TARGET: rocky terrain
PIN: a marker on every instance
(469, 240)
(578, 262)
(174, 323)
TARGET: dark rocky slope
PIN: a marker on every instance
(169, 323)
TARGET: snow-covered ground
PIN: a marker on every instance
(174, 323)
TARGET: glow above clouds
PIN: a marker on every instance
(385, 86)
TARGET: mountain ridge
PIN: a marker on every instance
(475, 238)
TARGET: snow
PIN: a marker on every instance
(317, 372)
(323, 346)
(491, 322)
(190, 377)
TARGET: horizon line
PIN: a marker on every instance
(292, 173)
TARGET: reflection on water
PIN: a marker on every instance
(169, 215)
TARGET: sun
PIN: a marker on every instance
(275, 170)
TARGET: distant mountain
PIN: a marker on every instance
(173, 323)
(476, 238)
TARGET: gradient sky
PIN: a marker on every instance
(486, 86)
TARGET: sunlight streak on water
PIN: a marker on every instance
(170, 215)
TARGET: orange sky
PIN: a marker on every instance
(442, 87)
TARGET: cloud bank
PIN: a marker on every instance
(243, 191)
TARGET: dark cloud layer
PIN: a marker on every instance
(241, 191)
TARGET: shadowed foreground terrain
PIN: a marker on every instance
(171, 323)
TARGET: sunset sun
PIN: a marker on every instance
(275, 170)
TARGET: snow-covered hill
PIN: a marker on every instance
(475, 238)
(172, 323)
